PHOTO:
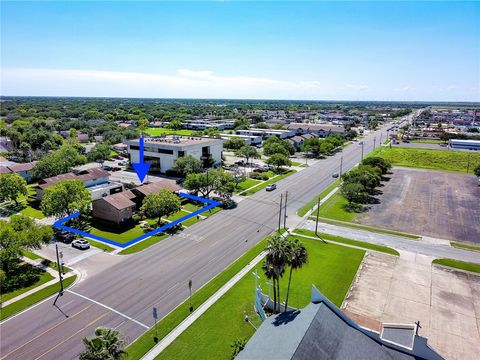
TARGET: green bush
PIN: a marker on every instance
(258, 176)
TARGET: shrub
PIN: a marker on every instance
(258, 176)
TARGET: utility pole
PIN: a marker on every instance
(318, 212)
(362, 150)
(341, 165)
(381, 138)
(60, 275)
(280, 213)
(190, 283)
(285, 211)
(374, 141)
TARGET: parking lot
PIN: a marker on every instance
(70, 254)
(431, 203)
(408, 289)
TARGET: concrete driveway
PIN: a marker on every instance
(71, 255)
(410, 289)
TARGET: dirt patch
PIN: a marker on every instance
(432, 203)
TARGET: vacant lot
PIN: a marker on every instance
(430, 159)
(444, 205)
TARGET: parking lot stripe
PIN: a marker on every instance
(109, 308)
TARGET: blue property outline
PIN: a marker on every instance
(211, 204)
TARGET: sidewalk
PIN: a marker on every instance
(189, 320)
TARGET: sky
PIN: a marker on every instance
(403, 51)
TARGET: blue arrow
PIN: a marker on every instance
(141, 168)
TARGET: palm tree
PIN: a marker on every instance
(298, 257)
(107, 344)
(267, 268)
(278, 251)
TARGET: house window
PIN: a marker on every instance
(181, 153)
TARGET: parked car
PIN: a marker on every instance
(335, 175)
(64, 236)
(81, 244)
(123, 163)
(271, 187)
(107, 168)
(116, 168)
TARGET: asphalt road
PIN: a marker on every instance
(123, 294)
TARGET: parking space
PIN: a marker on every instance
(70, 254)
(409, 289)
(432, 203)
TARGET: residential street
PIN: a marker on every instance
(122, 294)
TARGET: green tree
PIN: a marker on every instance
(311, 146)
(19, 234)
(352, 134)
(276, 260)
(26, 150)
(354, 193)
(175, 124)
(368, 176)
(58, 162)
(142, 125)
(233, 144)
(12, 186)
(378, 162)
(476, 170)
(107, 344)
(66, 198)
(165, 203)
(277, 161)
(100, 152)
(187, 165)
(247, 152)
(297, 257)
(214, 180)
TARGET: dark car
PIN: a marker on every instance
(335, 175)
(64, 236)
(107, 168)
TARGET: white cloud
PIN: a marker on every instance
(185, 83)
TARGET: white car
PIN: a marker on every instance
(271, 187)
(81, 244)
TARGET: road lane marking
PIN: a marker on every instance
(109, 308)
(60, 343)
(43, 333)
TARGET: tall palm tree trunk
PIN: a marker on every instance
(274, 295)
(288, 288)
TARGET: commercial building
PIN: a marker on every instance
(247, 139)
(464, 144)
(322, 130)
(161, 152)
(208, 124)
(266, 133)
(322, 331)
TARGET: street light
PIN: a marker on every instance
(361, 143)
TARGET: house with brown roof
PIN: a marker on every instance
(117, 208)
(24, 170)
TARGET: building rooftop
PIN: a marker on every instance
(175, 140)
(120, 200)
(322, 331)
(154, 188)
(22, 167)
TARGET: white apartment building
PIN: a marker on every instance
(161, 152)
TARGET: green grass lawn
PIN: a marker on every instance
(120, 237)
(247, 183)
(191, 206)
(429, 159)
(365, 227)
(49, 263)
(331, 268)
(40, 295)
(44, 277)
(100, 245)
(161, 131)
(464, 246)
(463, 265)
(32, 212)
(265, 183)
(303, 210)
(334, 208)
(145, 342)
(143, 244)
(339, 239)
(427, 141)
